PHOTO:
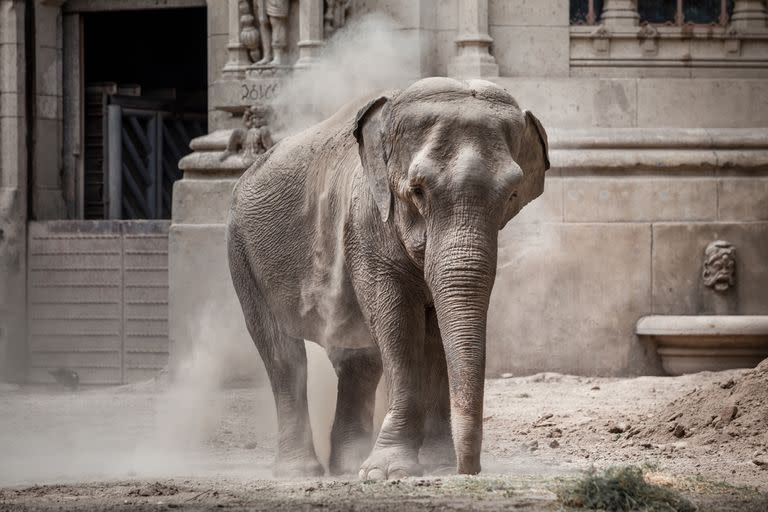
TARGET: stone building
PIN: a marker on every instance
(658, 119)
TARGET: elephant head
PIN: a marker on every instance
(449, 163)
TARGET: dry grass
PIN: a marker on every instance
(621, 489)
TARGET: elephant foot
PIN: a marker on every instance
(298, 468)
(390, 464)
(438, 455)
(347, 458)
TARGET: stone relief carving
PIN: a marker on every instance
(266, 43)
(273, 24)
(601, 39)
(249, 34)
(255, 138)
(648, 35)
(719, 271)
(336, 12)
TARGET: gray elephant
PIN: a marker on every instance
(374, 234)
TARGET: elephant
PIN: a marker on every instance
(375, 234)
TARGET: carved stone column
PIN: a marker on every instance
(474, 58)
(237, 52)
(620, 13)
(749, 15)
(310, 32)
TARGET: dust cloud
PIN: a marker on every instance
(371, 53)
(190, 425)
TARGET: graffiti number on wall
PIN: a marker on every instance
(258, 92)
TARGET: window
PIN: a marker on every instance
(586, 12)
(680, 12)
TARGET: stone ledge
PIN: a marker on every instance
(648, 149)
(704, 325)
(576, 150)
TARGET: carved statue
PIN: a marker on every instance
(719, 271)
(255, 138)
(335, 15)
(249, 34)
(273, 25)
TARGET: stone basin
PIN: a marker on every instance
(689, 344)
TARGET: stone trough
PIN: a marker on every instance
(695, 343)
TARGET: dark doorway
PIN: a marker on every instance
(145, 98)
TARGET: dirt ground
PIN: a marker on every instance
(140, 448)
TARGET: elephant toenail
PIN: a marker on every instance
(398, 474)
(376, 474)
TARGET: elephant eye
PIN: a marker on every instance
(417, 191)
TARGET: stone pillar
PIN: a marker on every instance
(205, 320)
(238, 58)
(47, 187)
(13, 191)
(310, 32)
(474, 58)
(749, 15)
(620, 13)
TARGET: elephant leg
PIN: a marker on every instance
(285, 360)
(399, 332)
(359, 372)
(437, 453)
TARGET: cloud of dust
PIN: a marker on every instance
(151, 429)
(370, 53)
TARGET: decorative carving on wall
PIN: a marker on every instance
(266, 44)
(273, 26)
(255, 138)
(719, 270)
(732, 41)
(601, 39)
(649, 36)
(336, 12)
(249, 34)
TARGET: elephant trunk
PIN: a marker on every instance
(460, 269)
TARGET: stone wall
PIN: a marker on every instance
(13, 189)
(646, 171)
(659, 146)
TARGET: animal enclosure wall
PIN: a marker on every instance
(98, 300)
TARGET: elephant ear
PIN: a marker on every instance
(533, 159)
(370, 132)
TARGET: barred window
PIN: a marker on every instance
(680, 12)
(586, 12)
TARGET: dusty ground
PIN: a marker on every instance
(135, 448)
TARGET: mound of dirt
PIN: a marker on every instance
(730, 414)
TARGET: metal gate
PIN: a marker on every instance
(144, 149)
(98, 300)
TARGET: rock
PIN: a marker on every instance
(595, 388)
(760, 462)
(618, 428)
(728, 384)
(506, 375)
(674, 417)
(679, 431)
(531, 446)
(555, 432)
(728, 413)
(554, 444)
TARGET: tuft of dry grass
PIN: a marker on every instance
(621, 489)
